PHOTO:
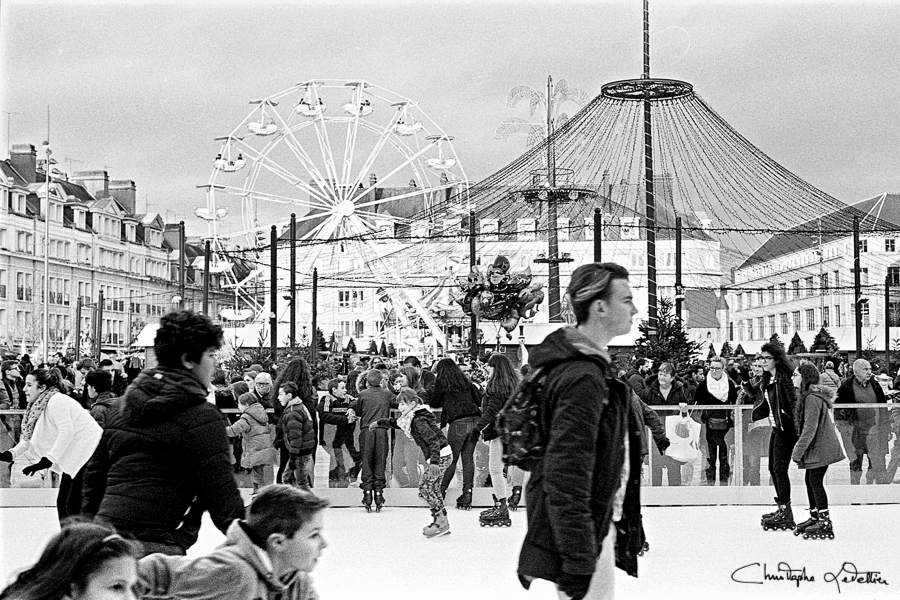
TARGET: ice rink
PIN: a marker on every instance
(696, 553)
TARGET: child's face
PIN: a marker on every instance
(284, 397)
(405, 406)
(303, 549)
(243, 407)
(114, 580)
(341, 390)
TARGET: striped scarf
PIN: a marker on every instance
(34, 412)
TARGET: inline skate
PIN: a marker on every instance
(783, 519)
(491, 509)
(367, 500)
(379, 500)
(768, 516)
(821, 530)
(801, 527)
(464, 502)
(499, 516)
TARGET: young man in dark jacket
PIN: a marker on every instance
(297, 433)
(584, 493)
(164, 457)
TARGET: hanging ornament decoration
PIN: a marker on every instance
(499, 295)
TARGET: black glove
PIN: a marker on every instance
(6, 456)
(475, 435)
(41, 464)
(574, 586)
(662, 444)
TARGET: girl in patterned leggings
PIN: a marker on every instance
(417, 422)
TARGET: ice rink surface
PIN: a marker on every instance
(695, 553)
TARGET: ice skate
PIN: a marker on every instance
(783, 519)
(464, 502)
(821, 529)
(801, 527)
(491, 509)
(515, 497)
(440, 526)
(497, 516)
(367, 500)
(379, 500)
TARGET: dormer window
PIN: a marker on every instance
(80, 219)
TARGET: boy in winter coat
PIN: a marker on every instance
(297, 433)
(374, 403)
(332, 410)
(258, 453)
(269, 555)
(98, 387)
(419, 424)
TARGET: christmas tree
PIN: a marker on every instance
(671, 342)
(726, 351)
(797, 346)
(824, 342)
(776, 340)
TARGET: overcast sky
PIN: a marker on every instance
(141, 90)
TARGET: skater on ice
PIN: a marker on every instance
(417, 422)
(817, 447)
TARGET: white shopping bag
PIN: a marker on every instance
(684, 437)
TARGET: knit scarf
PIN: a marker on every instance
(717, 387)
(34, 412)
(404, 421)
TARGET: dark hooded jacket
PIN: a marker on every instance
(570, 496)
(163, 459)
(100, 407)
(776, 398)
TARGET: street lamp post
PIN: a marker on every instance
(46, 329)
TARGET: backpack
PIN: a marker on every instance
(519, 422)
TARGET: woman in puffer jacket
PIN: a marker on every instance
(817, 447)
(258, 453)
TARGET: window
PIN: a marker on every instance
(811, 319)
(562, 229)
(837, 279)
(3, 285)
(783, 291)
(344, 301)
(795, 285)
(863, 245)
(894, 314)
(825, 316)
(760, 328)
(489, 230)
(3, 241)
(526, 230)
(889, 245)
(749, 299)
(823, 282)
(356, 301)
(737, 302)
(80, 220)
(772, 295)
(837, 315)
(24, 286)
(795, 317)
(359, 329)
(785, 326)
(810, 287)
(864, 276)
(24, 242)
(760, 298)
(893, 275)
(628, 228)
(772, 324)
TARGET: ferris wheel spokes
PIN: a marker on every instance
(418, 192)
(409, 160)
(352, 129)
(379, 145)
(263, 160)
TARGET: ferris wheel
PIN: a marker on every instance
(350, 159)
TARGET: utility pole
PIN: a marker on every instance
(314, 345)
(273, 294)
(648, 184)
(598, 235)
(679, 287)
(181, 260)
(293, 280)
(99, 326)
(887, 323)
(78, 329)
(206, 253)
(821, 278)
(473, 320)
(857, 288)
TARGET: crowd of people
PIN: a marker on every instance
(139, 460)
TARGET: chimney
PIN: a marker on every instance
(23, 158)
(125, 193)
(372, 179)
(95, 182)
